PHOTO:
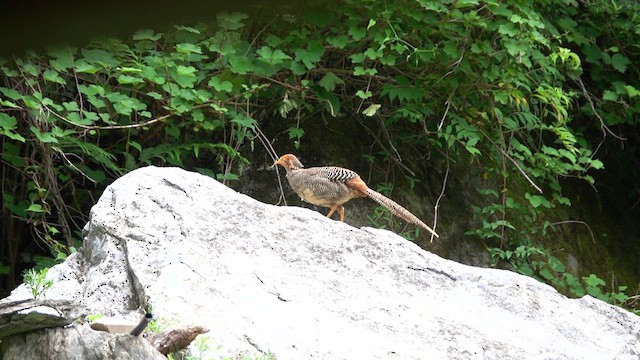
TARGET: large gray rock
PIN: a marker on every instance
(77, 342)
(288, 281)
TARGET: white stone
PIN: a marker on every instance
(289, 281)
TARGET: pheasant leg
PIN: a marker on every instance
(340, 209)
(341, 212)
(333, 209)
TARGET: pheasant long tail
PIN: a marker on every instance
(398, 210)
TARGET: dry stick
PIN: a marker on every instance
(267, 145)
(437, 205)
(446, 111)
(604, 127)
(513, 161)
(274, 155)
(255, 38)
(386, 132)
(111, 127)
(593, 238)
(64, 156)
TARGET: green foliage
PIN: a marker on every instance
(94, 317)
(535, 262)
(36, 281)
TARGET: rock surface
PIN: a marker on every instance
(290, 282)
(30, 314)
(77, 342)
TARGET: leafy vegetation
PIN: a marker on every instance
(37, 282)
(532, 92)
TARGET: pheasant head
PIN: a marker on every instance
(289, 162)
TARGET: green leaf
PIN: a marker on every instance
(620, 62)
(297, 68)
(100, 57)
(597, 164)
(7, 125)
(631, 91)
(135, 145)
(594, 281)
(546, 274)
(60, 133)
(186, 70)
(146, 34)
(14, 136)
(240, 64)
(357, 33)
(243, 120)
(272, 57)
(359, 71)
(124, 104)
(62, 57)
(508, 29)
(71, 106)
(357, 58)
(11, 93)
(329, 81)
(128, 79)
(29, 68)
(339, 41)
(609, 95)
(537, 200)
(371, 110)
(364, 94)
(185, 76)
(223, 86)
(403, 91)
(97, 175)
(371, 24)
(296, 133)
(53, 76)
(37, 208)
(154, 95)
(84, 67)
(7, 122)
(8, 103)
(311, 55)
(231, 21)
(45, 137)
(172, 130)
(126, 69)
(187, 48)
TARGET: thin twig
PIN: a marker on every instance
(274, 156)
(455, 66)
(446, 111)
(603, 126)
(110, 127)
(513, 161)
(436, 207)
(255, 38)
(593, 238)
(64, 156)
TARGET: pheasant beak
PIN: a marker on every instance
(278, 162)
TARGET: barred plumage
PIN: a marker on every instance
(332, 186)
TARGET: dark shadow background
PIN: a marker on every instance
(37, 24)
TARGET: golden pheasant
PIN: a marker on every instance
(332, 186)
